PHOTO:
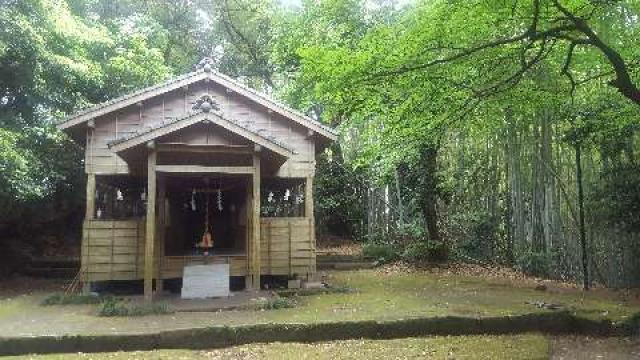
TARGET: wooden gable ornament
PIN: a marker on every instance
(206, 103)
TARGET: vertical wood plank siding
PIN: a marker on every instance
(114, 250)
(287, 246)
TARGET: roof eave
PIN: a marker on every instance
(185, 80)
(130, 99)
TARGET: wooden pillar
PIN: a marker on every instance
(308, 213)
(150, 233)
(249, 238)
(255, 221)
(91, 197)
(89, 215)
(161, 230)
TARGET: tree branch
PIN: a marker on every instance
(623, 81)
(565, 27)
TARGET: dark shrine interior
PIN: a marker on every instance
(191, 200)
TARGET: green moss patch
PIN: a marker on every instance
(382, 296)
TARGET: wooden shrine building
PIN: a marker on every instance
(196, 170)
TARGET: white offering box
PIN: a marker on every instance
(205, 281)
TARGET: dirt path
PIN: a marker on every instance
(585, 348)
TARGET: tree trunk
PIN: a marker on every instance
(399, 203)
(583, 237)
(429, 192)
(516, 200)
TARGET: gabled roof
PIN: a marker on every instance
(245, 130)
(201, 74)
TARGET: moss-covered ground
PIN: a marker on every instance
(396, 295)
(376, 295)
(439, 347)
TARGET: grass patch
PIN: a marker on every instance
(114, 307)
(71, 299)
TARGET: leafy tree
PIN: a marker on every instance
(52, 62)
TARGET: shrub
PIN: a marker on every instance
(280, 303)
(534, 263)
(380, 252)
(409, 232)
(479, 243)
(71, 299)
(425, 251)
(275, 303)
(114, 307)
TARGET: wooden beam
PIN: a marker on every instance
(255, 219)
(203, 148)
(205, 169)
(91, 197)
(151, 225)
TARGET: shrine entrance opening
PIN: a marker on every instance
(205, 215)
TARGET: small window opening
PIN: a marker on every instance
(119, 198)
(282, 197)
